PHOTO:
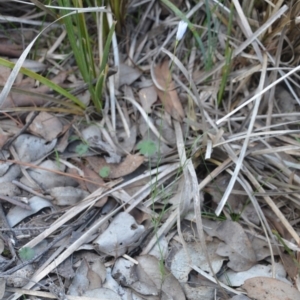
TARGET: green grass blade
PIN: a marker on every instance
(43, 80)
(190, 25)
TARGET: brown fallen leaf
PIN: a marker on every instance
(15, 99)
(236, 246)
(45, 125)
(264, 288)
(127, 166)
(11, 50)
(168, 96)
(91, 183)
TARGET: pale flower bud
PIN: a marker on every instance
(182, 25)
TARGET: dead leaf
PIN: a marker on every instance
(3, 139)
(11, 50)
(45, 125)
(128, 75)
(124, 272)
(17, 214)
(238, 278)
(49, 179)
(122, 234)
(290, 265)
(148, 97)
(21, 99)
(127, 143)
(237, 246)
(127, 166)
(167, 284)
(168, 96)
(181, 262)
(106, 294)
(80, 282)
(2, 287)
(31, 148)
(67, 195)
(20, 277)
(264, 288)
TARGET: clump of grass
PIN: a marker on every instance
(82, 46)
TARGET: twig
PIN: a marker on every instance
(15, 202)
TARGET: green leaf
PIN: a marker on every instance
(104, 172)
(147, 147)
(44, 80)
(26, 253)
(81, 149)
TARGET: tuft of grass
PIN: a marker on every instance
(82, 46)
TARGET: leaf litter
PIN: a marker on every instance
(123, 205)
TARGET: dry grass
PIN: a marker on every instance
(240, 97)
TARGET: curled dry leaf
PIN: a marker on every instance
(17, 214)
(168, 96)
(31, 148)
(12, 173)
(122, 234)
(264, 288)
(45, 125)
(127, 166)
(238, 278)
(237, 246)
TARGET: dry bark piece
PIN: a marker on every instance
(168, 96)
(127, 166)
(264, 288)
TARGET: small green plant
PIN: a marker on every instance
(147, 147)
(82, 148)
(104, 172)
(26, 253)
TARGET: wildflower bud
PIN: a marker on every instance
(182, 25)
